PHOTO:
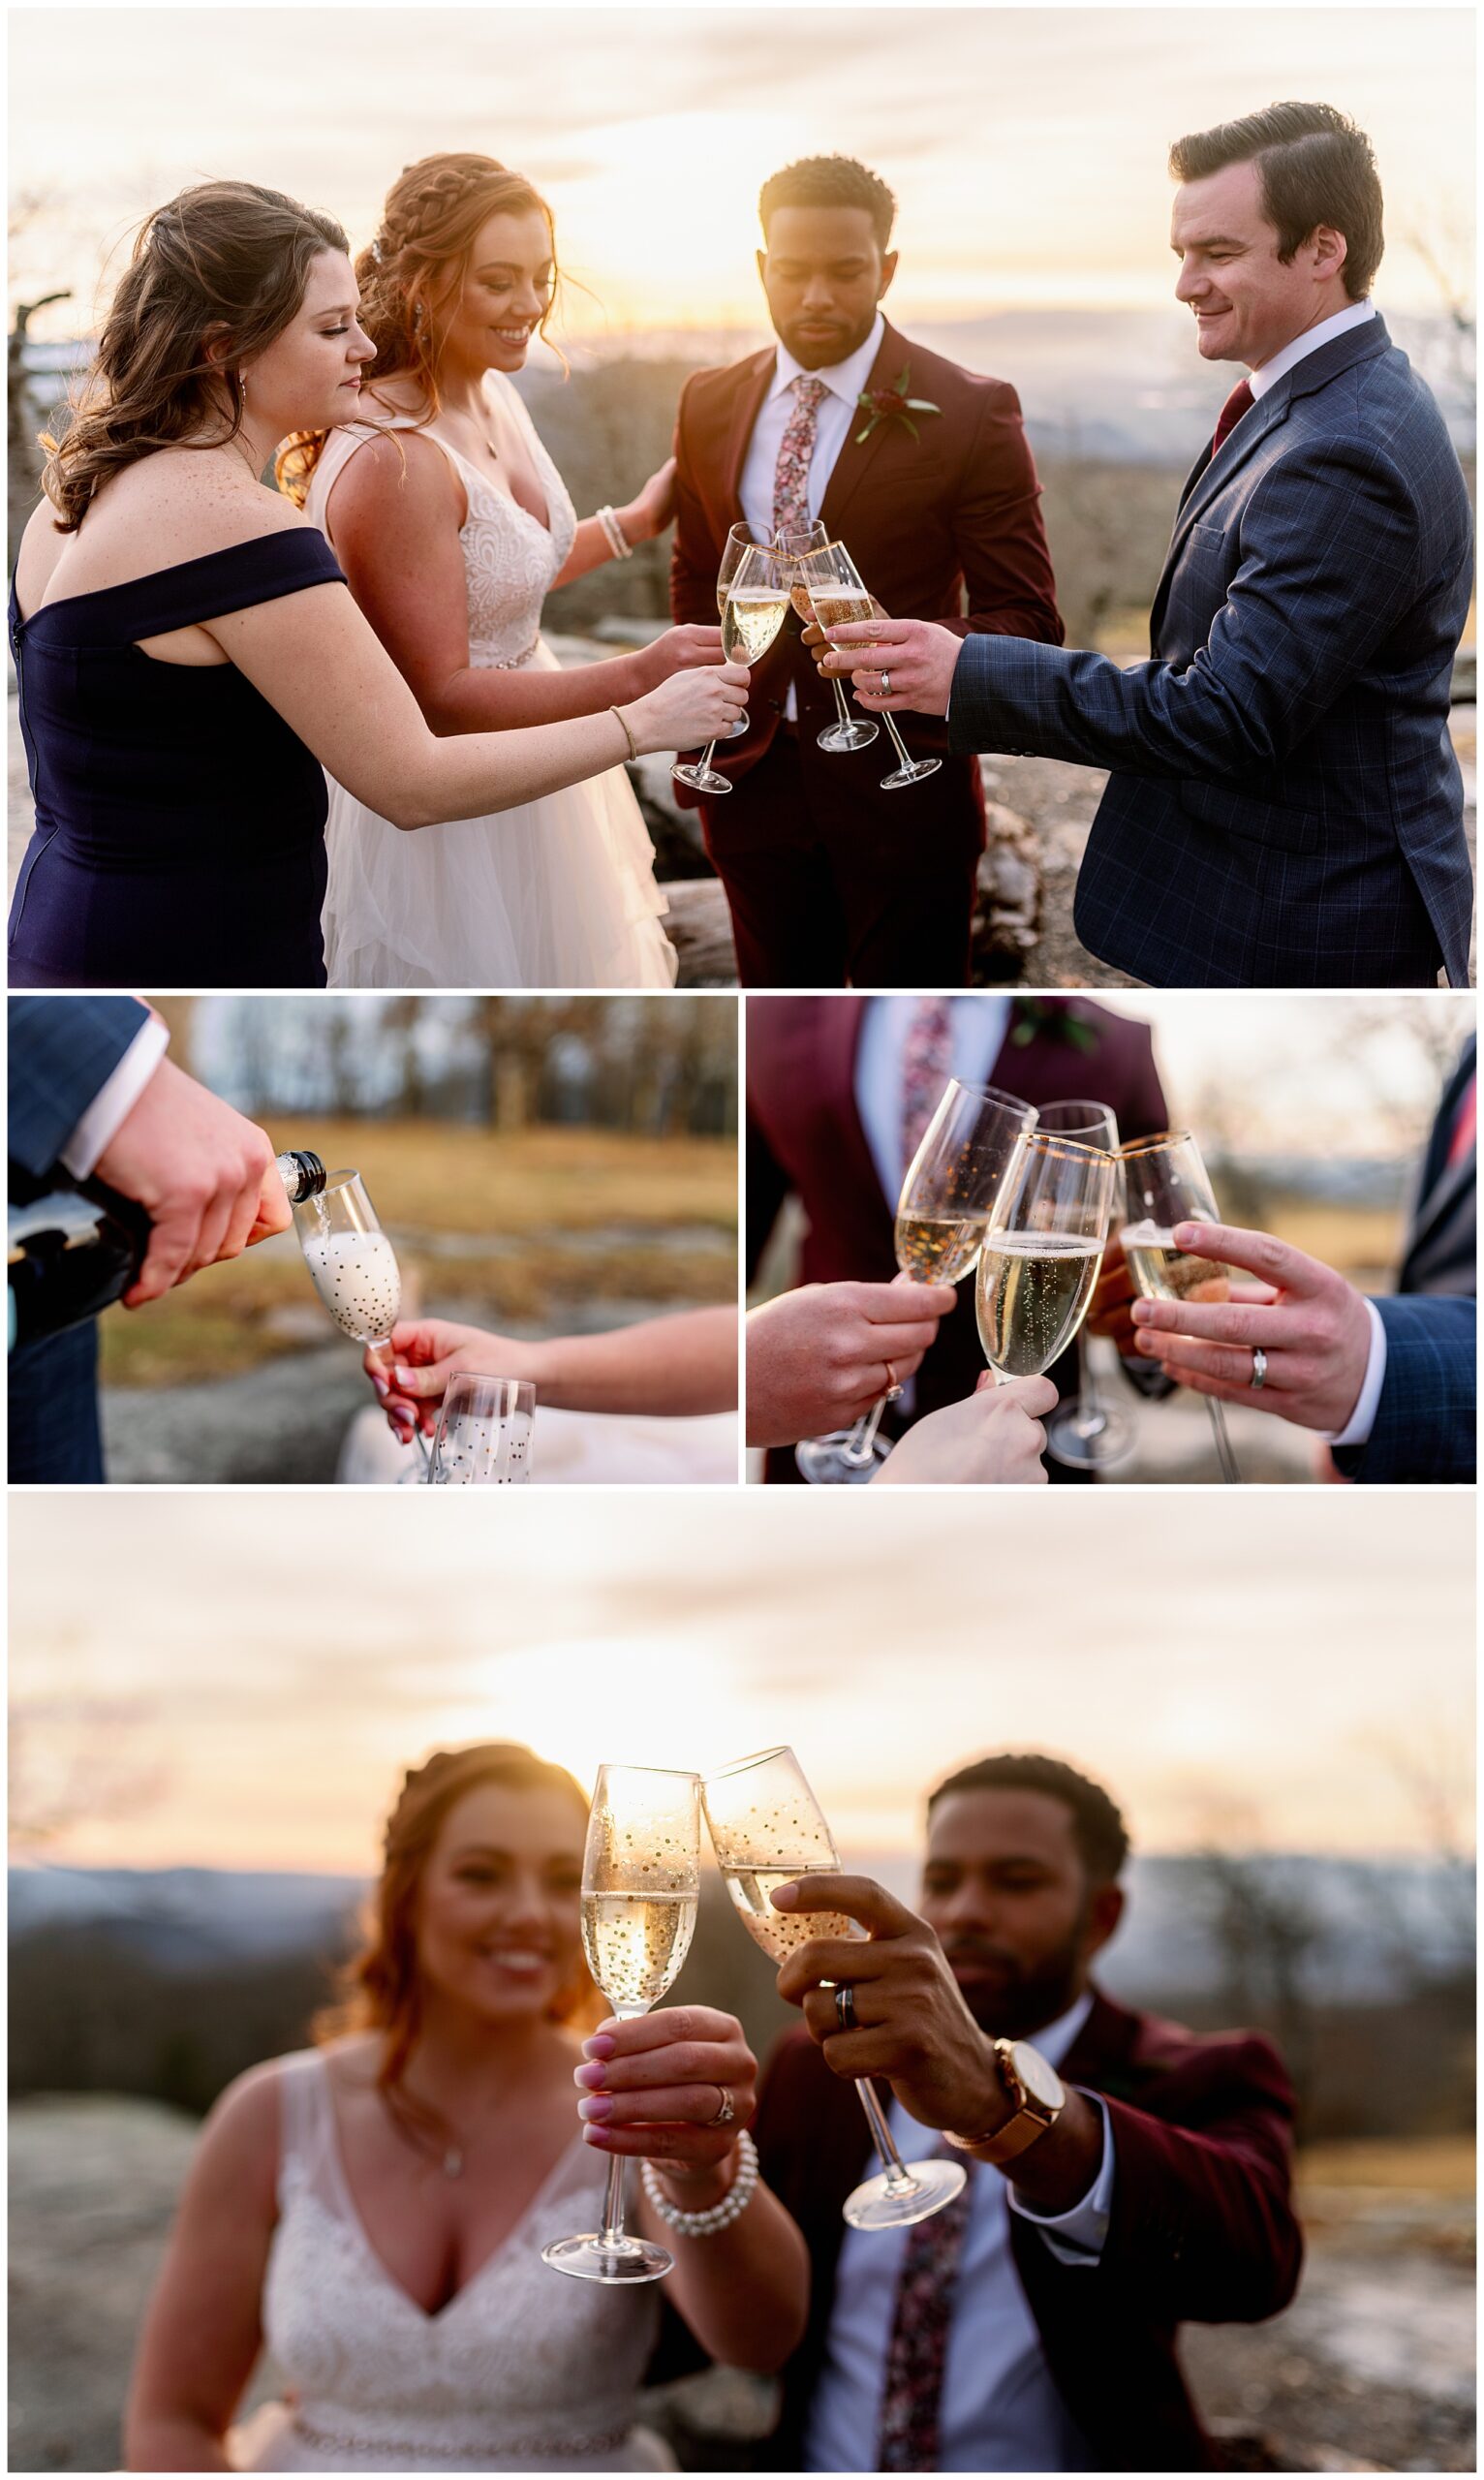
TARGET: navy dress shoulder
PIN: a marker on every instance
(179, 838)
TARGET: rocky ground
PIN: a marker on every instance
(1371, 2368)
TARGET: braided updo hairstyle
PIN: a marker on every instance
(226, 261)
(414, 268)
(379, 1988)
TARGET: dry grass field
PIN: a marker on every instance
(567, 1217)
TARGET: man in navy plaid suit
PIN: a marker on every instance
(1391, 1384)
(91, 1093)
(1285, 808)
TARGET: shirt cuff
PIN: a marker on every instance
(1077, 2237)
(1362, 1420)
(113, 1101)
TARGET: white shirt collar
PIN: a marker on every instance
(844, 379)
(1355, 316)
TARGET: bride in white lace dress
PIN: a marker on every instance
(373, 2210)
(453, 524)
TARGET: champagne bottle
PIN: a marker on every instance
(75, 1250)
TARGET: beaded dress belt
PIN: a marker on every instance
(346, 2441)
(508, 663)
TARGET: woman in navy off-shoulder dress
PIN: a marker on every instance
(189, 658)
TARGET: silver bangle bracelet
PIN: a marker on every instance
(617, 540)
(705, 2225)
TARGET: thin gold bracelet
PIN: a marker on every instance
(634, 747)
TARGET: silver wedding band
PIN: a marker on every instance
(893, 1385)
(885, 684)
(1259, 1376)
(844, 2006)
(726, 2111)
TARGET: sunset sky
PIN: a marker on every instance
(237, 1679)
(1027, 146)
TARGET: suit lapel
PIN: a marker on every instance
(1210, 478)
(855, 457)
(747, 404)
(843, 1019)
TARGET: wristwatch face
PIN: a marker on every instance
(1041, 2080)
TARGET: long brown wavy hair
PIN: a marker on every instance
(225, 263)
(413, 270)
(380, 1989)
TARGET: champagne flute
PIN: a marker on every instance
(484, 1430)
(1087, 1433)
(738, 541)
(942, 1212)
(1041, 1253)
(769, 1829)
(353, 1266)
(753, 612)
(640, 1887)
(848, 731)
(1166, 1182)
(836, 596)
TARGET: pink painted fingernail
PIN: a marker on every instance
(592, 2077)
(598, 2105)
(403, 1376)
(596, 2135)
(600, 2045)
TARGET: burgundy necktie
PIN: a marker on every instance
(1465, 1121)
(927, 1064)
(917, 2352)
(1241, 401)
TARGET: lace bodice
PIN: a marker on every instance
(510, 557)
(522, 2366)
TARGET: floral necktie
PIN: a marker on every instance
(917, 2352)
(927, 1064)
(796, 448)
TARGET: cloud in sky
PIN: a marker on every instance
(1026, 145)
(283, 1659)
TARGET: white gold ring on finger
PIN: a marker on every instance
(1259, 1376)
(893, 1388)
(885, 684)
(727, 2109)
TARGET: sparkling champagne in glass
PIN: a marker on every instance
(753, 612)
(769, 1829)
(942, 1214)
(640, 1887)
(1041, 1253)
(739, 540)
(1166, 1184)
(837, 597)
(847, 730)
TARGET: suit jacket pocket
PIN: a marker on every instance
(1227, 811)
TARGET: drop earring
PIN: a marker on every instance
(242, 387)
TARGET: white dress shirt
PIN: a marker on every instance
(844, 382)
(1268, 373)
(999, 2411)
(114, 1100)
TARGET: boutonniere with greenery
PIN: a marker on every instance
(892, 405)
(1055, 1019)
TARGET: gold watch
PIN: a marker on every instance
(1038, 2098)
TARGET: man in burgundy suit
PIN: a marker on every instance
(833, 1118)
(1123, 2175)
(829, 879)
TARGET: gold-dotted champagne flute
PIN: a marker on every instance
(847, 731)
(1041, 1253)
(484, 1428)
(753, 612)
(353, 1265)
(943, 1213)
(1166, 1182)
(740, 539)
(837, 597)
(769, 1829)
(640, 1888)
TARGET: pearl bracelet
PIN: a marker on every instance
(705, 2225)
(617, 540)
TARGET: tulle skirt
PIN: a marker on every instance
(559, 894)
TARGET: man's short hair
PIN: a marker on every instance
(831, 181)
(1316, 167)
(1102, 1836)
